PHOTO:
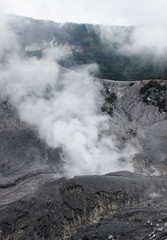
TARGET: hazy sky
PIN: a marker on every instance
(111, 12)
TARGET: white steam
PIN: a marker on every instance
(148, 39)
(142, 40)
(8, 40)
(64, 106)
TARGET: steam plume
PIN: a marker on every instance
(64, 107)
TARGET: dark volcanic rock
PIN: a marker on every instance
(122, 205)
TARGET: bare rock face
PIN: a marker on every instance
(139, 111)
(37, 203)
(122, 205)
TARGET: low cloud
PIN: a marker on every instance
(139, 40)
(150, 39)
(8, 40)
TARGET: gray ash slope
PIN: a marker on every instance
(122, 205)
(22, 153)
(139, 111)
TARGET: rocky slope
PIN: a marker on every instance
(35, 203)
(139, 111)
(119, 205)
(22, 153)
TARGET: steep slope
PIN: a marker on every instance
(139, 112)
(22, 153)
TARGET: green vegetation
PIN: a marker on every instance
(152, 84)
(162, 105)
(108, 110)
(112, 64)
(109, 100)
(154, 93)
(104, 109)
(87, 47)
